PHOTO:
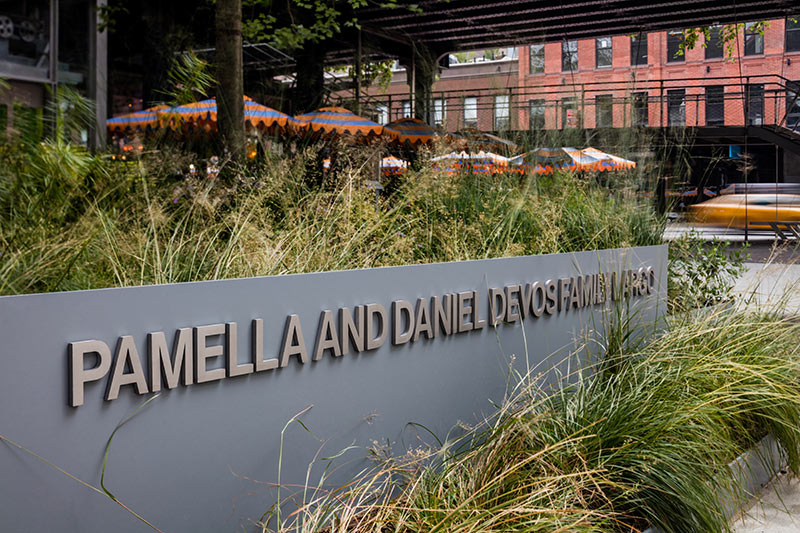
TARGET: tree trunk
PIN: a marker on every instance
(230, 90)
(309, 92)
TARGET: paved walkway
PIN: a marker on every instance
(776, 509)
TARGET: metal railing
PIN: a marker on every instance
(681, 102)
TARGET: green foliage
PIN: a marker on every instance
(729, 33)
(647, 444)
(293, 24)
(73, 221)
(189, 79)
(702, 273)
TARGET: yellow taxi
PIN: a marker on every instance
(730, 210)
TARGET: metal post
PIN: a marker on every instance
(358, 74)
(98, 77)
(412, 83)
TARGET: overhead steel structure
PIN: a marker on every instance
(451, 25)
(422, 33)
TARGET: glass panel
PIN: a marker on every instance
(639, 49)
(537, 114)
(569, 55)
(676, 107)
(502, 112)
(604, 52)
(715, 105)
(471, 111)
(381, 114)
(605, 110)
(793, 33)
(439, 111)
(640, 112)
(755, 104)
(406, 108)
(753, 40)
(25, 39)
(674, 40)
(793, 105)
(714, 47)
(537, 58)
(570, 117)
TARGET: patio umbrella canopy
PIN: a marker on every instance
(474, 139)
(479, 163)
(411, 131)
(335, 121)
(139, 121)
(204, 114)
(547, 160)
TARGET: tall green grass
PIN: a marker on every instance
(646, 444)
(71, 220)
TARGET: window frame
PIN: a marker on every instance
(600, 102)
(636, 48)
(710, 51)
(638, 111)
(715, 96)
(795, 33)
(467, 122)
(497, 107)
(672, 97)
(536, 103)
(566, 53)
(598, 48)
(441, 104)
(672, 55)
(755, 38)
(531, 56)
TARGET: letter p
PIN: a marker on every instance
(78, 376)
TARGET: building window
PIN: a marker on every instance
(604, 108)
(714, 45)
(639, 49)
(793, 104)
(715, 105)
(676, 107)
(502, 112)
(639, 109)
(406, 108)
(569, 56)
(439, 112)
(471, 112)
(569, 113)
(603, 52)
(536, 52)
(755, 104)
(753, 39)
(674, 41)
(381, 114)
(536, 119)
(793, 33)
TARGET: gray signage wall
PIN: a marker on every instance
(235, 360)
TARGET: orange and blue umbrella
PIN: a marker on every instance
(139, 121)
(333, 121)
(566, 158)
(204, 113)
(411, 131)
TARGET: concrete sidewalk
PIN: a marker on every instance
(764, 285)
(776, 509)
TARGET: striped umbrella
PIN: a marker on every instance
(478, 140)
(204, 113)
(547, 160)
(142, 121)
(393, 165)
(411, 131)
(332, 121)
